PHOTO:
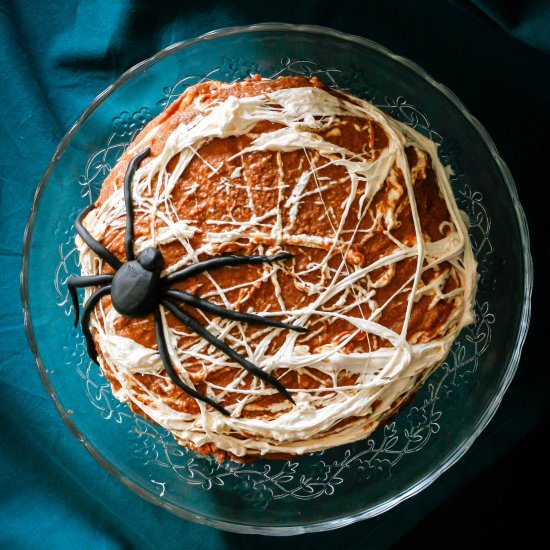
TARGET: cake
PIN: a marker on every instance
(378, 271)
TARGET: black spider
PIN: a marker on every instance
(137, 289)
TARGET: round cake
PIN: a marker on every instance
(305, 206)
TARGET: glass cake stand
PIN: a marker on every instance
(327, 489)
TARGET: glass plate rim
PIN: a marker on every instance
(511, 368)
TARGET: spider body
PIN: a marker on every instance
(137, 289)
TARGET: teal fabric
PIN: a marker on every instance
(527, 21)
(55, 58)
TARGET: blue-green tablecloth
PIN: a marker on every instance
(57, 56)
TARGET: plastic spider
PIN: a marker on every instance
(137, 289)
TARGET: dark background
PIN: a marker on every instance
(56, 57)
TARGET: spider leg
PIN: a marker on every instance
(196, 327)
(130, 173)
(86, 312)
(74, 282)
(205, 305)
(221, 261)
(104, 253)
(163, 352)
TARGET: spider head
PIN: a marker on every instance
(150, 259)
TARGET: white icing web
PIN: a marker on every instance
(381, 376)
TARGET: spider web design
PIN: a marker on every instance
(332, 283)
(297, 479)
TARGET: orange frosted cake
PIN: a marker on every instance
(368, 272)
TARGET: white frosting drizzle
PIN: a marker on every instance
(383, 375)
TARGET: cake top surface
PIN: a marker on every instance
(382, 275)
